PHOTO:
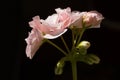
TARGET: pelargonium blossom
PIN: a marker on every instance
(51, 28)
(93, 19)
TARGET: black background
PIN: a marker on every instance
(105, 41)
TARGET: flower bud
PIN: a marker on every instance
(60, 64)
(84, 44)
(59, 67)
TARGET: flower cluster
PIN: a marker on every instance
(57, 24)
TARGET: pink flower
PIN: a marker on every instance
(51, 28)
(64, 16)
(33, 41)
(55, 25)
(77, 18)
(48, 27)
(56, 29)
(58, 23)
(93, 19)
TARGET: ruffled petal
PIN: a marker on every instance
(34, 40)
(55, 35)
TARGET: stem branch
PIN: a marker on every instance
(65, 44)
(53, 44)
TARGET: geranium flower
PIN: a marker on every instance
(77, 18)
(93, 19)
(51, 28)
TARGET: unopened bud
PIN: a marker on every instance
(84, 44)
(59, 67)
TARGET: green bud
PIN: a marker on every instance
(91, 59)
(84, 44)
(95, 58)
(59, 67)
(58, 70)
(60, 64)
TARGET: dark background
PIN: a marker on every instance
(105, 41)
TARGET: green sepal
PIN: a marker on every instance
(82, 50)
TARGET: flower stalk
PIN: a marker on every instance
(74, 69)
(53, 44)
(65, 44)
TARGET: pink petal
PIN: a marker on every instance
(55, 34)
(34, 40)
(64, 17)
(37, 24)
(77, 18)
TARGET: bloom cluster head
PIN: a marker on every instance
(57, 24)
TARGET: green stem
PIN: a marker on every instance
(82, 31)
(65, 44)
(74, 69)
(56, 47)
(73, 39)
